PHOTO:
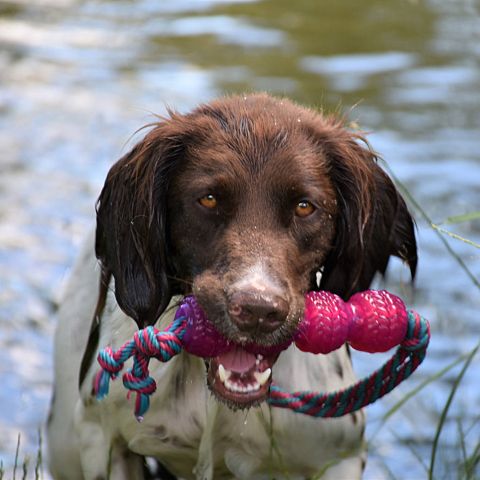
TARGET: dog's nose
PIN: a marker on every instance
(252, 310)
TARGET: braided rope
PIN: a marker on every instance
(163, 345)
(404, 362)
(146, 343)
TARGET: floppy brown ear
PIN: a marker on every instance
(131, 235)
(373, 221)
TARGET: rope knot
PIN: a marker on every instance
(143, 386)
(110, 361)
(146, 341)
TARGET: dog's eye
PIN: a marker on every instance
(304, 209)
(208, 201)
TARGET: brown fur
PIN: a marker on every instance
(259, 156)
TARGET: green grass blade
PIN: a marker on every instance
(463, 448)
(388, 471)
(444, 413)
(455, 235)
(423, 384)
(468, 217)
(26, 461)
(17, 451)
(472, 463)
(39, 460)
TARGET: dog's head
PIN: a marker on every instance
(248, 203)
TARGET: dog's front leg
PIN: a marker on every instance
(93, 446)
(101, 457)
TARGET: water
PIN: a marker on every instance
(78, 78)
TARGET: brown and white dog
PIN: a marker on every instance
(247, 202)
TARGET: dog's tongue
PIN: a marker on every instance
(237, 359)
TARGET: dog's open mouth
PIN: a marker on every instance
(241, 378)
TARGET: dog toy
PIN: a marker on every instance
(371, 321)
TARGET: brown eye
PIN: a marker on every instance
(304, 209)
(208, 201)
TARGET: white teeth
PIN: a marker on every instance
(262, 377)
(235, 387)
(223, 373)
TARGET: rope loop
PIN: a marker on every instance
(418, 333)
(108, 362)
(133, 383)
(404, 362)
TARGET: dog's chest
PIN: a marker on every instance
(189, 431)
(195, 436)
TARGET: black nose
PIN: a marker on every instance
(252, 310)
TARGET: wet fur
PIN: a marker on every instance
(260, 156)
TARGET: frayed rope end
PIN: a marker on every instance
(101, 384)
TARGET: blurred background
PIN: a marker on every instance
(78, 78)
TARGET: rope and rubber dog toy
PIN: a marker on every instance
(371, 321)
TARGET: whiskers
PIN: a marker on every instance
(182, 281)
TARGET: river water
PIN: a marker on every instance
(77, 78)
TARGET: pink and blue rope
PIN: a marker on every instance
(406, 359)
(147, 343)
(163, 345)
